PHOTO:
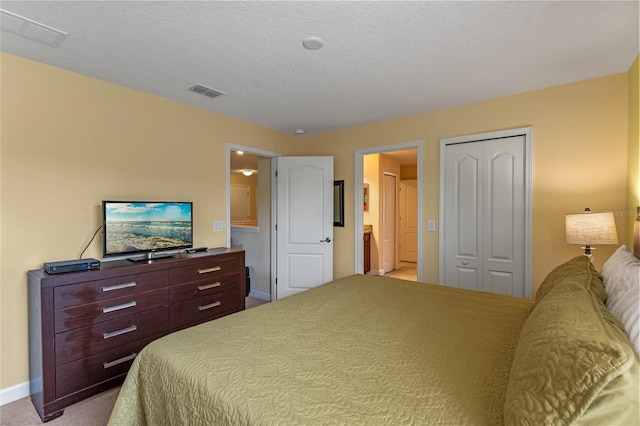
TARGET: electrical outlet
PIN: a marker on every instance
(431, 225)
(218, 226)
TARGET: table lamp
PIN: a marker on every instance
(589, 229)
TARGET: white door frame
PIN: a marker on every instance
(527, 132)
(395, 219)
(358, 181)
(262, 153)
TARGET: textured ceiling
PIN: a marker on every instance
(380, 60)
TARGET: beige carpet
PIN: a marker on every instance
(94, 411)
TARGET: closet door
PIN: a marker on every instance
(463, 212)
(504, 216)
(484, 215)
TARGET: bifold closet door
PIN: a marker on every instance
(484, 211)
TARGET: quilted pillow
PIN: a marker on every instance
(579, 270)
(572, 365)
(621, 277)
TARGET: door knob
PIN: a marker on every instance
(464, 262)
(326, 240)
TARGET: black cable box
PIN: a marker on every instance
(75, 265)
(197, 249)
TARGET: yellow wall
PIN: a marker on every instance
(633, 195)
(68, 142)
(580, 134)
(409, 172)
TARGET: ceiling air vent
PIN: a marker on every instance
(206, 91)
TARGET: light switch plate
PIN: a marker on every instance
(431, 225)
(218, 226)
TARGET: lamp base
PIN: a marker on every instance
(587, 252)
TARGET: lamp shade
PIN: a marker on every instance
(591, 229)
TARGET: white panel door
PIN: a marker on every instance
(484, 215)
(239, 196)
(463, 214)
(408, 228)
(504, 216)
(304, 223)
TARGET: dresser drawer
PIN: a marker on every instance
(208, 269)
(90, 371)
(93, 313)
(193, 289)
(204, 308)
(95, 291)
(85, 341)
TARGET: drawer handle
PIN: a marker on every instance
(111, 334)
(119, 307)
(208, 286)
(209, 306)
(207, 270)
(119, 361)
(118, 286)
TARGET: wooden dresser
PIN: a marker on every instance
(85, 328)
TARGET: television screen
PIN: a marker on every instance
(139, 227)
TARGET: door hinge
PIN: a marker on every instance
(276, 173)
(276, 226)
(276, 280)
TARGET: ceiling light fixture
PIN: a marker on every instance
(247, 172)
(239, 152)
(30, 29)
(312, 43)
(299, 132)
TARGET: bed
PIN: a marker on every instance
(365, 350)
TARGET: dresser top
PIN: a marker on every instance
(117, 267)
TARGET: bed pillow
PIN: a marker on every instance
(571, 365)
(578, 270)
(621, 277)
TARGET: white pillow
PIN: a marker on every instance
(621, 278)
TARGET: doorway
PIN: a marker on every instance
(253, 235)
(264, 253)
(365, 215)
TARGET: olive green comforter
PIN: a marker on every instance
(359, 350)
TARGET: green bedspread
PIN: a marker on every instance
(360, 350)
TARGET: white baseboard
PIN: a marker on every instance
(260, 295)
(14, 393)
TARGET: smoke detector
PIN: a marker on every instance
(206, 91)
(313, 43)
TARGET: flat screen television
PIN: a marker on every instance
(137, 227)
